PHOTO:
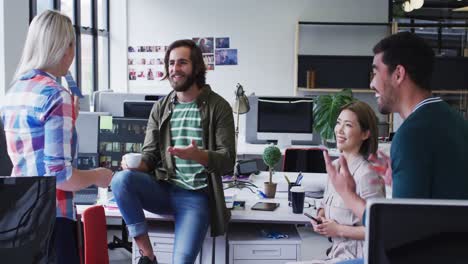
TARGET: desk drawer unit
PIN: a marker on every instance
(161, 235)
(264, 251)
(248, 244)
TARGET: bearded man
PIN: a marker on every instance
(189, 145)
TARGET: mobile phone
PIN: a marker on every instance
(265, 206)
(313, 218)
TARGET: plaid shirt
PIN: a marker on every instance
(39, 122)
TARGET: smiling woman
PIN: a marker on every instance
(356, 136)
(356, 129)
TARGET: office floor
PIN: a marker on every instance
(313, 247)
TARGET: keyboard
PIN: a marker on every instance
(86, 196)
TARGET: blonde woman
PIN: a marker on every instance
(356, 137)
(39, 121)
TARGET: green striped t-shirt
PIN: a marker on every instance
(185, 127)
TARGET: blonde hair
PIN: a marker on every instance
(49, 36)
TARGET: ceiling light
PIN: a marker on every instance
(407, 7)
(416, 4)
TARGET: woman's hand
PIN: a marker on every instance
(328, 228)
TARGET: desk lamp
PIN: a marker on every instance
(241, 106)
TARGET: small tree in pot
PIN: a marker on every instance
(271, 156)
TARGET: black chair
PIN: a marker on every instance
(304, 160)
(5, 162)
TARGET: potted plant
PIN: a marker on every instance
(271, 156)
(326, 110)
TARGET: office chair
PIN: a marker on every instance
(304, 160)
(95, 236)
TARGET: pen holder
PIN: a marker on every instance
(290, 185)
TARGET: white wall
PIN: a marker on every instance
(118, 45)
(14, 17)
(264, 33)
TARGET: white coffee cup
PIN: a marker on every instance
(132, 160)
(102, 195)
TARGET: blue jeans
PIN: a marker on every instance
(135, 191)
(352, 261)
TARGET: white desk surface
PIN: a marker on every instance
(282, 214)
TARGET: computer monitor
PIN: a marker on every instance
(416, 231)
(138, 109)
(105, 101)
(118, 136)
(285, 119)
(87, 126)
(27, 217)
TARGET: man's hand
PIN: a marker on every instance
(103, 177)
(342, 180)
(191, 152)
(345, 185)
(382, 165)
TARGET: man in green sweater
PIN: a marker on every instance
(429, 152)
(189, 145)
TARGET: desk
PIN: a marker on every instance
(282, 215)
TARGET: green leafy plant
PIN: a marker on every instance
(398, 10)
(271, 156)
(326, 110)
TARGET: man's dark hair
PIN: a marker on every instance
(199, 68)
(410, 51)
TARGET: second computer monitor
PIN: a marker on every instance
(285, 119)
(118, 136)
(138, 109)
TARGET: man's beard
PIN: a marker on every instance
(387, 100)
(182, 87)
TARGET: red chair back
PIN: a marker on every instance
(304, 160)
(95, 236)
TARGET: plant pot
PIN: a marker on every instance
(270, 189)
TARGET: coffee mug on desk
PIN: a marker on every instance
(290, 185)
(297, 199)
(132, 160)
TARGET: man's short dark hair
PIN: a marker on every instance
(199, 68)
(410, 51)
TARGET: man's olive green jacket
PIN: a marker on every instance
(218, 138)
